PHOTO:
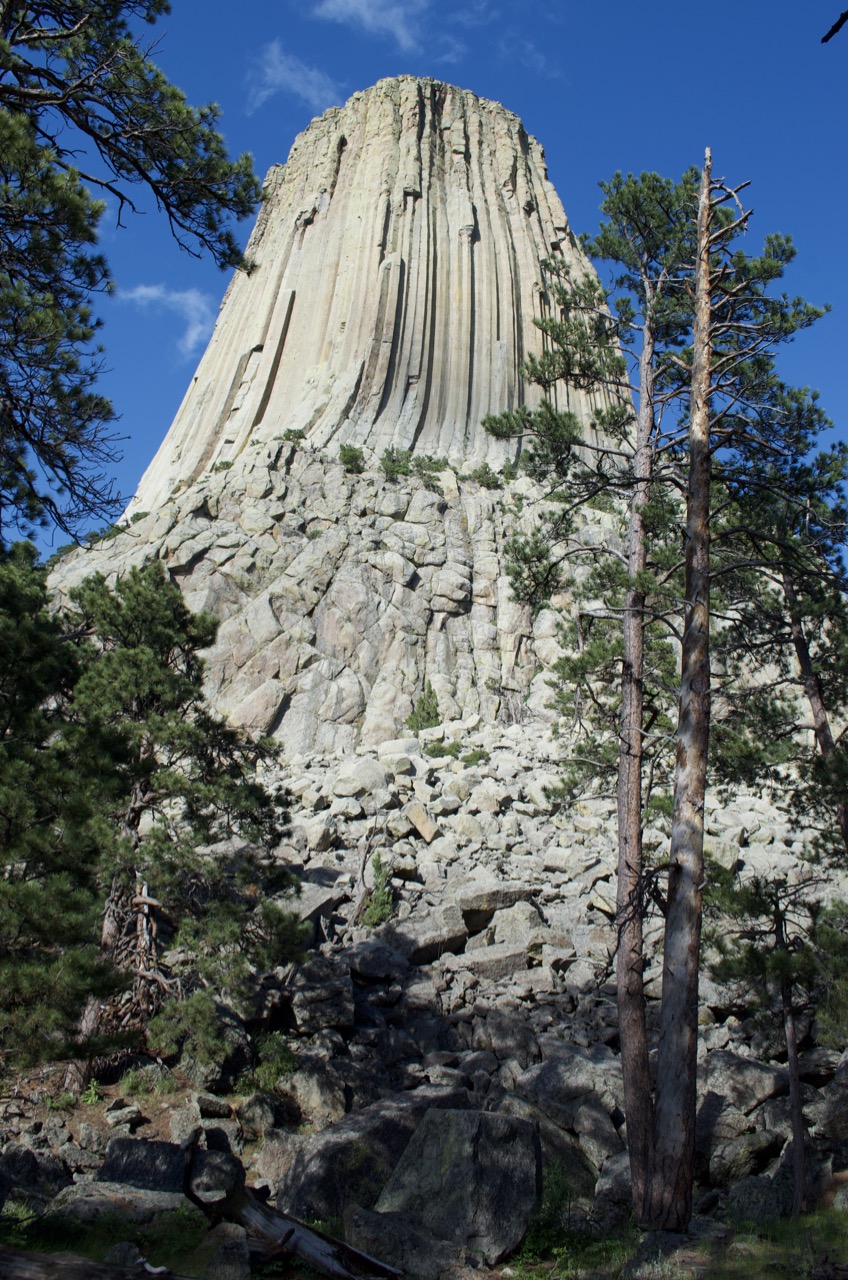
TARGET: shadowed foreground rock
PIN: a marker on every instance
(471, 1178)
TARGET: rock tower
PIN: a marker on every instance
(394, 284)
(395, 277)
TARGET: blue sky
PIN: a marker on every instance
(630, 86)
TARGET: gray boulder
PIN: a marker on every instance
(748, 1154)
(315, 1090)
(321, 993)
(31, 1177)
(425, 936)
(316, 1176)
(580, 1090)
(741, 1081)
(402, 1241)
(160, 1166)
(375, 961)
(471, 1177)
(229, 1253)
(612, 1206)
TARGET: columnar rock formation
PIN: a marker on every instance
(395, 280)
(396, 277)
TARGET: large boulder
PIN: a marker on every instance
(321, 994)
(427, 935)
(580, 1090)
(160, 1167)
(318, 1175)
(471, 1177)
(402, 1241)
(30, 1177)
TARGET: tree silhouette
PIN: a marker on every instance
(837, 26)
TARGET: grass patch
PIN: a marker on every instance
(65, 1101)
(783, 1250)
(441, 750)
(170, 1240)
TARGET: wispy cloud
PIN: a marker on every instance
(517, 48)
(195, 309)
(476, 13)
(451, 50)
(276, 71)
(399, 19)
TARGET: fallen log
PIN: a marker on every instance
(273, 1234)
(18, 1264)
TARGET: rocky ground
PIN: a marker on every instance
(446, 1060)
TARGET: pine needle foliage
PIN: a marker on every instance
(85, 115)
(137, 841)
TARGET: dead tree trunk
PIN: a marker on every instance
(794, 1071)
(669, 1203)
(629, 901)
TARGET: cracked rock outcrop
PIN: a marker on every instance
(395, 280)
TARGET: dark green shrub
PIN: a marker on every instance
(380, 902)
(395, 463)
(352, 459)
(425, 713)
(440, 750)
(485, 476)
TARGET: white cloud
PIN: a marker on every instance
(399, 19)
(195, 309)
(517, 48)
(477, 13)
(452, 50)
(277, 71)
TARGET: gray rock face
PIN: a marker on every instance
(470, 1177)
(402, 1241)
(394, 288)
(391, 302)
(319, 1175)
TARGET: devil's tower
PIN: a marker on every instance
(394, 282)
(394, 285)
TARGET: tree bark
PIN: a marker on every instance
(796, 1110)
(638, 1105)
(813, 690)
(669, 1202)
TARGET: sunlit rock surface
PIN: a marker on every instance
(395, 282)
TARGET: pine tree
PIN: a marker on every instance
(786, 617)
(187, 831)
(707, 416)
(83, 108)
(138, 841)
(783, 951)
(50, 964)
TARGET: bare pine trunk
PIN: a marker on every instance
(670, 1196)
(796, 1110)
(812, 688)
(629, 911)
